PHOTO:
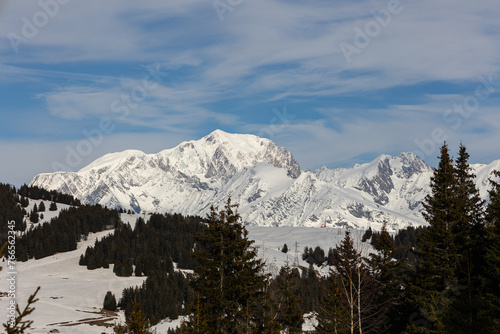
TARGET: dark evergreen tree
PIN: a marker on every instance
(389, 274)
(109, 302)
(284, 249)
(289, 312)
(228, 279)
(136, 322)
(24, 202)
(319, 256)
(470, 239)
(126, 269)
(83, 260)
(432, 288)
(333, 316)
(489, 303)
(9, 211)
(367, 235)
(34, 216)
(53, 206)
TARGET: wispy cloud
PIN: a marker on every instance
(82, 63)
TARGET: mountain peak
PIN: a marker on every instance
(263, 178)
(221, 154)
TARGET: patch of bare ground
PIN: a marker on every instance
(106, 319)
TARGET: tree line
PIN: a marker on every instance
(13, 204)
(63, 232)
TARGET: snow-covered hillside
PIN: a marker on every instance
(71, 297)
(263, 178)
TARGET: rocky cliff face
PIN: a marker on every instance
(263, 178)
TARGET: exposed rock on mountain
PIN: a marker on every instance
(263, 178)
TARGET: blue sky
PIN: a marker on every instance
(335, 82)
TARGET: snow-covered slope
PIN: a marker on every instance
(71, 297)
(263, 178)
(183, 179)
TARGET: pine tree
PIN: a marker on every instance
(228, 280)
(289, 312)
(469, 230)
(389, 273)
(435, 283)
(41, 207)
(489, 314)
(53, 206)
(136, 322)
(34, 217)
(109, 302)
(367, 235)
(470, 239)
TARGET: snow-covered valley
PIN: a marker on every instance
(71, 297)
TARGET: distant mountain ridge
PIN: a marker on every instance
(264, 179)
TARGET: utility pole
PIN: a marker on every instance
(296, 258)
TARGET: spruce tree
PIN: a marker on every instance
(289, 313)
(34, 217)
(109, 301)
(53, 206)
(470, 239)
(389, 274)
(136, 322)
(489, 314)
(367, 235)
(228, 281)
(469, 230)
(434, 285)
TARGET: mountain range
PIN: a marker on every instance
(264, 179)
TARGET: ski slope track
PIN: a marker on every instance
(264, 179)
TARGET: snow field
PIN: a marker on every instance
(71, 297)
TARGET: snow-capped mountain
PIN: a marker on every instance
(184, 179)
(264, 179)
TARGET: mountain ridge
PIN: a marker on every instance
(266, 181)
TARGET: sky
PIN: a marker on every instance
(335, 82)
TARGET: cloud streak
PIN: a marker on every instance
(89, 61)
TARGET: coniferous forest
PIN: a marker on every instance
(439, 279)
(443, 278)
